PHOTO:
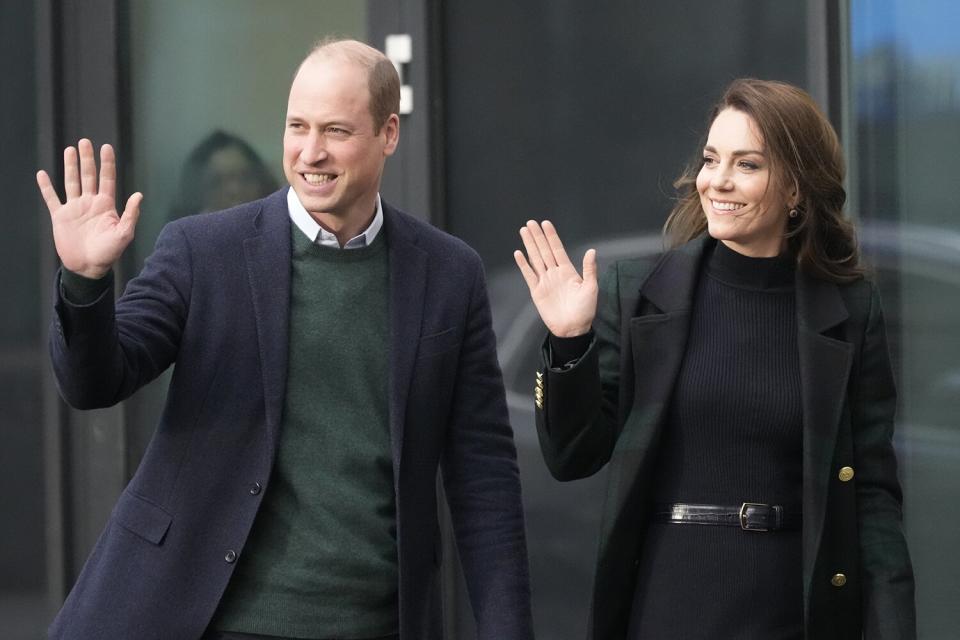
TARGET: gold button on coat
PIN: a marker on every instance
(538, 390)
(846, 474)
(838, 580)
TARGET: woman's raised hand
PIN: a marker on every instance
(566, 302)
(87, 230)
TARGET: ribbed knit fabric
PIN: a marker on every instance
(733, 435)
(321, 560)
(80, 290)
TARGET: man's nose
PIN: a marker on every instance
(314, 149)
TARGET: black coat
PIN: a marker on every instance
(611, 405)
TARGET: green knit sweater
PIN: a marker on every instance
(321, 560)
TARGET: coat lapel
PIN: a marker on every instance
(268, 256)
(408, 281)
(824, 371)
(656, 308)
(657, 340)
(658, 330)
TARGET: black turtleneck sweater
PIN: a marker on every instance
(733, 434)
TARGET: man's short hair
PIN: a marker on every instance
(383, 81)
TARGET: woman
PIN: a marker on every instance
(222, 171)
(740, 388)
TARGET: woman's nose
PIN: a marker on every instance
(720, 180)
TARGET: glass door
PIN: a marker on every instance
(583, 114)
(904, 115)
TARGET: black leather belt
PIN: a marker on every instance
(749, 516)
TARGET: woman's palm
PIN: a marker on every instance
(567, 302)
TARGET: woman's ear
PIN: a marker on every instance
(794, 199)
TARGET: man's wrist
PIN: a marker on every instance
(80, 289)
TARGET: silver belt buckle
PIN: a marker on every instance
(743, 516)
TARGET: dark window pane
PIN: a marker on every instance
(584, 114)
(23, 576)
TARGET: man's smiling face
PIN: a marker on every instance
(332, 156)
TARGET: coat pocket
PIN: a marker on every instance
(438, 343)
(649, 318)
(141, 517)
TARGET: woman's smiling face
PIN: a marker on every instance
(745, 208)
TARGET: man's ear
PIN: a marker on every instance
(391, 131)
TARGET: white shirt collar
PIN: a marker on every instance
(319, 235)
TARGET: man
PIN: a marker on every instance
(331, 353)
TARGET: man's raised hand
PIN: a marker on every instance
(88, 232)
(567, 303)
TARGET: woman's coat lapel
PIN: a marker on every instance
(658, 317)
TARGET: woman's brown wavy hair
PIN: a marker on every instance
(804, 151)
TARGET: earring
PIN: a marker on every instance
(793, 213)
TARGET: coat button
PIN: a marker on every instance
(255, 488)
(846, 474)
(231, 556)
(838, 580)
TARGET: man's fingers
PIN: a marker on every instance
(47, 191)
(590, 266)
(546, 253)
(526, 270)
(88, 168)
(533, 251)
(108, 172)
(554, 242)
(131, 213)
(71, 173)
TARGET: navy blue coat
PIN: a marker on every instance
(213, 299)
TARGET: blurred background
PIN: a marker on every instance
(583, 113)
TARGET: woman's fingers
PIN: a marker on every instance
(556, 245)
(590, 266)
(565, 301)
(544, 248)
(526, 270)
(533, 251)
(546, 253)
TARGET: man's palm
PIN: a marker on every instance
(88, 232)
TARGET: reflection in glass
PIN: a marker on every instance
(214, 66)
(222, 171)
(905, 114)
